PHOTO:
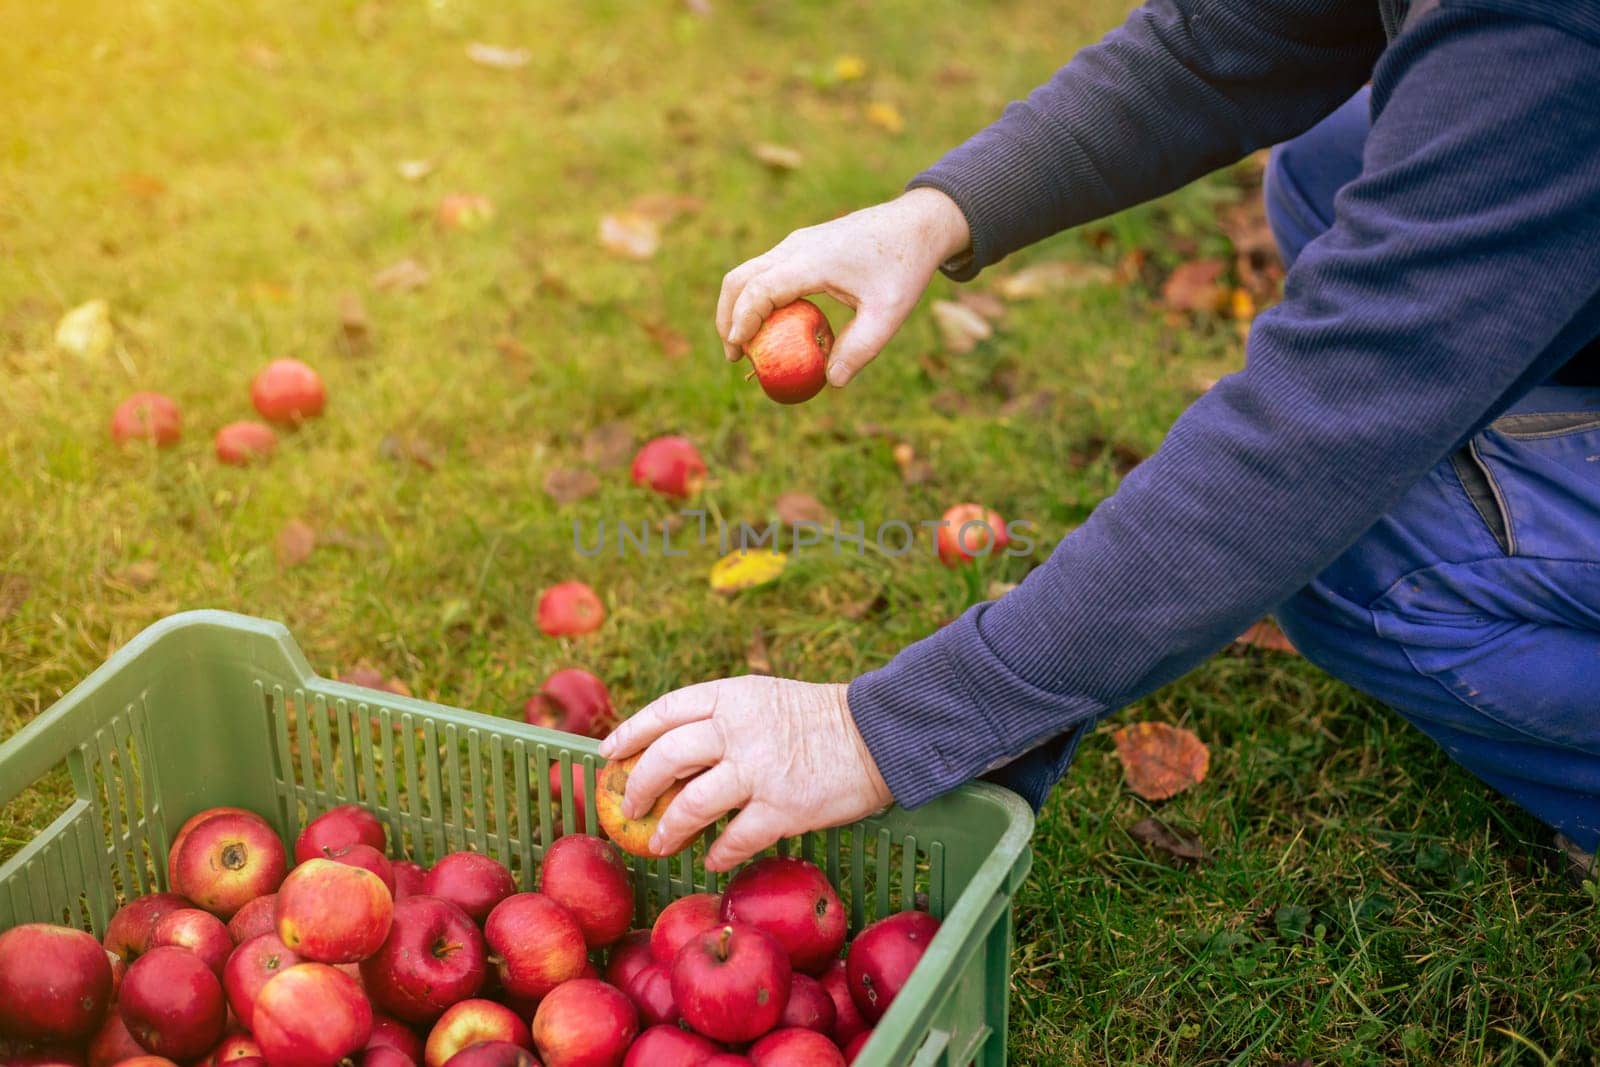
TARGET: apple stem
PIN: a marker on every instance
(723, 940)
(752, 374)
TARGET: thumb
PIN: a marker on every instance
(860, 342)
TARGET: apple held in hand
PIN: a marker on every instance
(791, 899)
(732, 983)
(568, 609)
(969, 531)
(882, 958)
(790, 352)
(311, 1015)
(147, 417)
(55, 983)
(584, 1023)
(434, 957)
(574, 701)
(632, 835)
(332, 913)
(671, 466)
(287, 390)
(172, 1004)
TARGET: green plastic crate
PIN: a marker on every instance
(209, 708)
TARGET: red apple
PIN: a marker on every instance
(147, 417)
(572, 700)
(368, 859)
(45, 1056)
(627, 957)
(538, 941)
(577, 791)
(568, 609)
(650, 989)
(853, 1047)
(671, 466)
(493, 1054)
(348, 824)
(150, 1061)
(682, 920)
(473, 882)
(252, 965)
(969, 531)
(790, 352)
(188, 828)
(883, 956)
(469, 1022)
(331, 913)
(588, 877)
(668, 1046)
(112, 1043)
(810, 1007)
(287, 390)
(228, 861)
(796, 1047)
(128, 932)
(311, 1015)
(791, 899)
(465, 211)
(172, 1003)
(584, 1023)
(389, 1032)
(408, 879)
(198, 931)
(731, 983)
(384, 1056)
(847, 1021)
(728, 1059)
(433, 958)
(55, 983)
(240, 444)
(234, 1046)
(259, 916)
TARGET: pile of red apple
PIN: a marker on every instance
(347, 956)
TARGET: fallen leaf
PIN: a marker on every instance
(354, 325)
(1241, 305)
(86, 330)
(414, 170)
(409, 449)
(777, 156)
(630, 235)
(1060, 276)
(988, 305)
(914, 470)
(493, 56)
(794, 507)
(1178, 844)
(746, 569)
(885, 116)
(402, 277)
(674, 345)
(465, 211)
(142, 186)
(14, 590)
(950, 402)
(1197, 287)
(1160, 760)
(849, 68)
(663, 208)
(295, 542)
(1245, 224)
(857, 610)
(513, 350)
(1265, 634)
(261, 56)
(755, 655)
(566, 485)
(139, 574)
(960, 328)
(609, 444)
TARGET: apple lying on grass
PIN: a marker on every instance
(568, 609)
(573, 701)
(968, 531)
(671, 466)
(287, 390)
(240, 444)
(147, 417)
(789, 353)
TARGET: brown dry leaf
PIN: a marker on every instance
(295, 542)
(630, 235)
(142, 186)
(402, 277)
(609, 444)
(663, 208)
(857, 610)
(568, 484)
(756, 656)
(1197, 287)
(674, 345)
(795, 507)
(885, 116)
(914, 470)
(1265, 634)
(14, 590)
(1178, 844)
(777, 156)
(409, 449)
(986, 304)
(498, 58)
(1160, 760)
(139, 574)
(960, 328)
(1061, 276)
(354, 325)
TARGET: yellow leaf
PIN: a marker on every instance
(86, 329)
(885, 116)
(849, 68)
(1241, 306)
(746, 569)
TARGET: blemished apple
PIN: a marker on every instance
(235, 1045)
(668, 1046)
(847, 1020)
(172, 1004)
(408, 879)
(331, 913)
(473, 882)
(588, 877)
(731, 983)
(112, 1043)
(119, 967)
(969, 531)
(790, 352)
(538, 942)
(55, 983)
(631, 835)
(493, 1054)
(347, 824)
(681, 920)
(434, 957)
(469, 1022)
(853, 1047)
(628, 956)
(287, 390)
(239, 444)
(584, 1023)
(128, 932)
(252, 965)
(188, 828)
(671, 466)
(465, 211)
(883, 956)
(796, 1047)
(229, 860)
(389, 1032)
(368, 859)
(650, 989)
(810, 1007)
(574, 701)
(147, 417)
(791, 899)
(568, 609)
(257, 917)
(198, 931)
(311, 1015)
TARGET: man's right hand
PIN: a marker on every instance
(877, 261)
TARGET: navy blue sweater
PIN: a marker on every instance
(1463, 268)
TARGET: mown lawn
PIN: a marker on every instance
(223, 173)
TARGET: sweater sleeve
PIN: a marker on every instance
(1180, 89)
(1462, 268)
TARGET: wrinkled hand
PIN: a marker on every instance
(786, 753)
(877, 261)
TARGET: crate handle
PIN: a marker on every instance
(932, 1050)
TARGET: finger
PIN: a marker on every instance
(677, 708)
(707, 798)
(773, 288)
(675, 754)
(860, 342)
(732, 285)
(752, 830)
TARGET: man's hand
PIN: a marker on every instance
(877, 261)
(786, 753)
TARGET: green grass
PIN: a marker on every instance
(1367, 902)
